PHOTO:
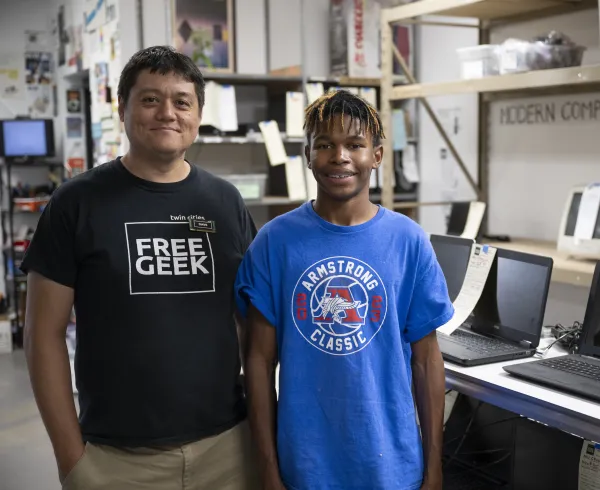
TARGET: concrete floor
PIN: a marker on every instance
(26, 457)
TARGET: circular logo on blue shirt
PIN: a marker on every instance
(339, 305)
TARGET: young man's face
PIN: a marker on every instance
(162, 115)
(342, 159)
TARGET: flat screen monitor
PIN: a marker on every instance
(453, 256)
(25, 138)
(513, 301)
(588, 248)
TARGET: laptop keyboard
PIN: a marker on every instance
(479, 344)
(574, 366)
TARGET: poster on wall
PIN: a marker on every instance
(38, 68)
(73, 101)
(204, 31)
(40, 101)
(11, 71)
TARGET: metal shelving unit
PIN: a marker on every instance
(489, 13)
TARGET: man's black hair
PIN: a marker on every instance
(164, 60)
(340, 103)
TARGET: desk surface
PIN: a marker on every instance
(566, 270)
(491, 384)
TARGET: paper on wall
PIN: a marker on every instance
(314, 91)
(588, 212)
(295, 178)
(294, 114)
(11, 76)
(273, 142)
(589, 466)
(480, 263)
(474, 219)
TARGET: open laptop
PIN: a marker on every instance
(575, 373)
(453, 256)
(507, 321)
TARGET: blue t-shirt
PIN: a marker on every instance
(346, 301)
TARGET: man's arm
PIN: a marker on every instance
(48, 310)
(430, 381)
(261, 359)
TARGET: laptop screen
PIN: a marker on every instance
(590, 342)
(453, 256)
(513, 301)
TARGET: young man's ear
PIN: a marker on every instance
(307, 154)
(378, 153)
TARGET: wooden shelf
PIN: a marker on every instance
(485, 9)
(566, 79)
(241, 140)
(272, 201)
(566, 270)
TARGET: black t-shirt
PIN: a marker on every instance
(153, 269)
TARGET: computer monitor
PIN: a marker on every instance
(589, 344)
(453, 255)
(567, 242)
(465, 219)
(513, 300)
(26, 138)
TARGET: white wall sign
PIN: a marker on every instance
(550, 112)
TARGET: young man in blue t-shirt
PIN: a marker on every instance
(346, 296)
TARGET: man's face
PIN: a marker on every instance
(162, 115)
(342, 159)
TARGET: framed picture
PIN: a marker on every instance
(204, 31)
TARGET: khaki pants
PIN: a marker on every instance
(223, 462)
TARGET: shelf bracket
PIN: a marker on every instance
(410, 77)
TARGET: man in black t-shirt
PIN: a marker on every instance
(146, 248)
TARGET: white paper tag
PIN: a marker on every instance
(588, 212)
(295, 178)
(480, 263)
(409, 165)
(274, 143)
(589, 466)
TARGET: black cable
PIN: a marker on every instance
(485, 426)
(464, 436)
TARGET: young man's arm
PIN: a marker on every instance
(48, 311)
(261, 360)
(430, 380)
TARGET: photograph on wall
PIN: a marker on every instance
(38, 68)
(203, 30)
(73, 101)
(74, 127)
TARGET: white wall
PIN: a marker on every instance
(533, 166)
(442, 179)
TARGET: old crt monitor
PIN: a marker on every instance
(26, 138)
(567, 242)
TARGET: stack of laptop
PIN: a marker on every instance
(508, 319)
(576, 373)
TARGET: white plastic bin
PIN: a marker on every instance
(251, 186)
(479, 61)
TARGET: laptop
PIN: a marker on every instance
(507, 321)
(453, 255)
(575, 373)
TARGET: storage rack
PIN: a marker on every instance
(276, 86)
(12, 256)
(490, 13)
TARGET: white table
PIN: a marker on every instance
(491, 384)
